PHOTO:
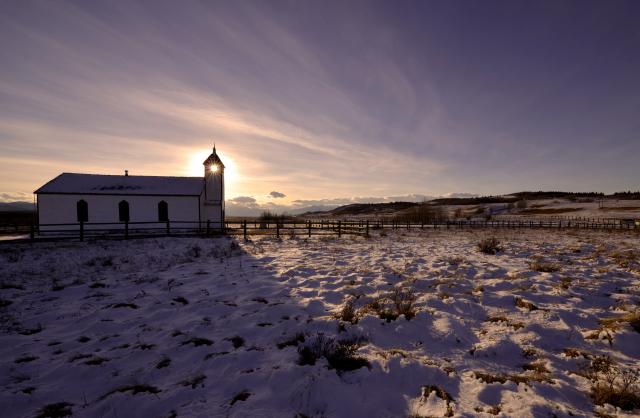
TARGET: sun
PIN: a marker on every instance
(195, 168)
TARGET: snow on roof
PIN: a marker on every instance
(75, 183)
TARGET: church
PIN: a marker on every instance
(146, 202)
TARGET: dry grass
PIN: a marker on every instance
(340, 354)
(565, 282)
(521, 303)
(575, 353)
(347, 313)
(502, 318)
(627, 259)
(489, 246)
(612, 384)
(544, 267)
(614, 323)
(526, 378)
(398, 302)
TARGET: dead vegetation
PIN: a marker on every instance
(501, 318)
(347, 313)
(527, 378)
(489, 246)
(133, 389)
(612, 384)
(543, 266)
(627, 259)
(340, 354)
(573, 352)
(55, 410)
(440, 393)
(400, 301)
(631, 318)
(521, 303)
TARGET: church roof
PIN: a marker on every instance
(75, 183)
(213, 159)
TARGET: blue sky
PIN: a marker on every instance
(324, 101)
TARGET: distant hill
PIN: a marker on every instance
(16, 207)
(355, 209)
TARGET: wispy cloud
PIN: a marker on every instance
(394, 102)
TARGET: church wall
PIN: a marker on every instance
(61, 209)
(211, 212)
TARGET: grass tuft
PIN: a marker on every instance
(489, 246)
(340, 354)
(612, 384)
(55, 410)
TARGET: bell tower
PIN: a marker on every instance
(214, 184)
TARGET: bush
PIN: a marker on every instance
(489, 246)
(543, 267)
(340, 354)
(348, 313)
(267, 217)
(403, 300)
(613, 385)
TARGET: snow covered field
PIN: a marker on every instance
(181, 327)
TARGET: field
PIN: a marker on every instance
(401, 324)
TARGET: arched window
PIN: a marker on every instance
(82, 211)
(163, 211)
(123, 210)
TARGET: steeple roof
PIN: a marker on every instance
(213, 159)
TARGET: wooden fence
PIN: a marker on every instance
(308, 228)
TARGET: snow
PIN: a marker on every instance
(149, 327)
(111, 184)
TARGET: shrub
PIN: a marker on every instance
(611, 384)
(293, 341)
(340, 354)
(55, 410)
(489, 246)
(241, 396)
(348, 313)
(632, 318)
(521, 303)
(543, 267)
(403, 300)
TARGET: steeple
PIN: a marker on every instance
(213, 163)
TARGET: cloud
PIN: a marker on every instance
(245, 200)
(277, 195)
(16, 197)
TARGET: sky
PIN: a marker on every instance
(324, 102)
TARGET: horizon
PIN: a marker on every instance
(314, 104)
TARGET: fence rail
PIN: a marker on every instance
(246, 228)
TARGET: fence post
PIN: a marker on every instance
(81, 231)
(31, 232)
(367, 231)
(339, 229)
(408, 225)
(277, 229)
(309, 228)
(126, 229)
(168, 228)
(208, 226)
(244, 229)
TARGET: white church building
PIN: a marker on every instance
(144, 202)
